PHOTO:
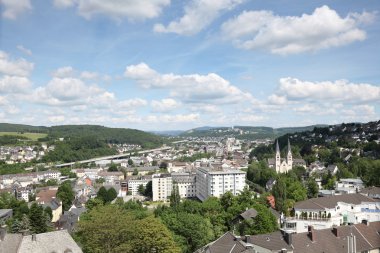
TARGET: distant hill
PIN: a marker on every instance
(343, 134)
(101, 133)
(245, 132)
(168, 133)
(8, 127)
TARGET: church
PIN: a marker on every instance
(285, 164)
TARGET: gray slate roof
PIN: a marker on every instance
(331, 201)
(10, 243)
(57, 241)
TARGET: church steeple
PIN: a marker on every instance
(289, 148)
(289, 157)
(278, 158)
(277, 147)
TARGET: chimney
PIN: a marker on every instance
(336, 231)
(366, 222)
(34, 237)
(289, 238)
(311, 233)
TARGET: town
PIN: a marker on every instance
(199, 126)
(327, 192)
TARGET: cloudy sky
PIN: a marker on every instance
(172, 64)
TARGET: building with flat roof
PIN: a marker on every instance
(214, 183)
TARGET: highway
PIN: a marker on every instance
(111, 157)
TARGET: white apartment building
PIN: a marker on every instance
(214, 183)
(326, 212)
(161, 186)
(349, 185)
(49, 174)
(185, 183)
(133, 185)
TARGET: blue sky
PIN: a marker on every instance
(167, 64)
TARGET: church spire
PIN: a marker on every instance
(277, 147)
(289, 148)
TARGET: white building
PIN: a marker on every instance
(162, 185)
(210, 182)
(349, 185)
(284, 165)
(185, 183)
(326, 212)
(133, 185)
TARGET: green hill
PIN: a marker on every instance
(100, 133)
(244, 132)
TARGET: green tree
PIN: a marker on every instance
(113, 229)
(191, 231)
(312, 188)
(135, 172)
(130, 162)
(279, 193)
(141, 189)
(263, 223)
(49, 212)
(66, 194)
(92, 203)
(148, 190)
(175, 198)
(102, 194)
(151, 235)
(112, 167)
(111, 194)
(37, 219)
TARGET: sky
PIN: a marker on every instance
(176, 65)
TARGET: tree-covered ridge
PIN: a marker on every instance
(244, 132)
(106, 134)
(77, 149)
(8, 127)
(100, 133)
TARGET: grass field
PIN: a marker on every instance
(31, 136)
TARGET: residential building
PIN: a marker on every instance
(343, 239)
(56, 241)
(162, 185)
(211, 182)
(358, 238)
(134, 183)
(47, 197)
(372, 192)
(326, 212)
(185, 183)
(349, 185)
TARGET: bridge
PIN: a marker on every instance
(111, 157)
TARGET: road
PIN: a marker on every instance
(111, 157)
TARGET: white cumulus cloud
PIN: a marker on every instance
(19, 67)
(340, 90)
(14, 84)
(164, 105)
(322, 29)
(62, 72)
(116, 9)
(13, 8)
(193, 88)
(198, 15)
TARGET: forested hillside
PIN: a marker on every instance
(100, 133)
